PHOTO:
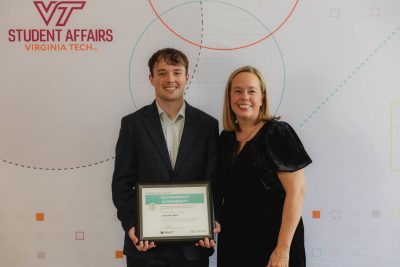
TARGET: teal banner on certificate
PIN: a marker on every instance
(174, 199)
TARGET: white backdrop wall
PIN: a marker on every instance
(332, 68)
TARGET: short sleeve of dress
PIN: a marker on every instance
(284, 148)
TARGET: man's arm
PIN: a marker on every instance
(124, 177)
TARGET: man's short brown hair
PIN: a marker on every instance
(171, 56)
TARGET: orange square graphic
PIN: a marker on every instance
(119, 254)
(316, 214)
(40, 216)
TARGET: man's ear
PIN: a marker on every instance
(151, 78)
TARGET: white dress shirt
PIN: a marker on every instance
(172, 129)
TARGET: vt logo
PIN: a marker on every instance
(65, 9)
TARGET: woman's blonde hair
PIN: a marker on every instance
(229, 118)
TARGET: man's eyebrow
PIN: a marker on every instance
(176, 69)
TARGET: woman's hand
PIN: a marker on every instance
(279, 259)
(209, 243)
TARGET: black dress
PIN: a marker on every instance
(253, 197)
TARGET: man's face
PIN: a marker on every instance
(169, 81)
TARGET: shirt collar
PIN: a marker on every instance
(181, 112)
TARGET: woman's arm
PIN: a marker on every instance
(294, 185)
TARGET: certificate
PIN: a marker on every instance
(174, 211)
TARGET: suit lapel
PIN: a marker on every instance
(190, 130)
(151, 121)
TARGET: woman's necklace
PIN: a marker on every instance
(245, 138)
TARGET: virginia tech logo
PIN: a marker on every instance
(64, 8)
(54, 36)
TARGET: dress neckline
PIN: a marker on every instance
(246, 144)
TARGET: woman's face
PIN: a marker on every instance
(246, 97)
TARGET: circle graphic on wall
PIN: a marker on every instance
(208, 69)
(275, 17)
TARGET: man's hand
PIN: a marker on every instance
(142, 245)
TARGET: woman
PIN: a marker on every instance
(260, 185)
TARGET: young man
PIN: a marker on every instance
(168, 140)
